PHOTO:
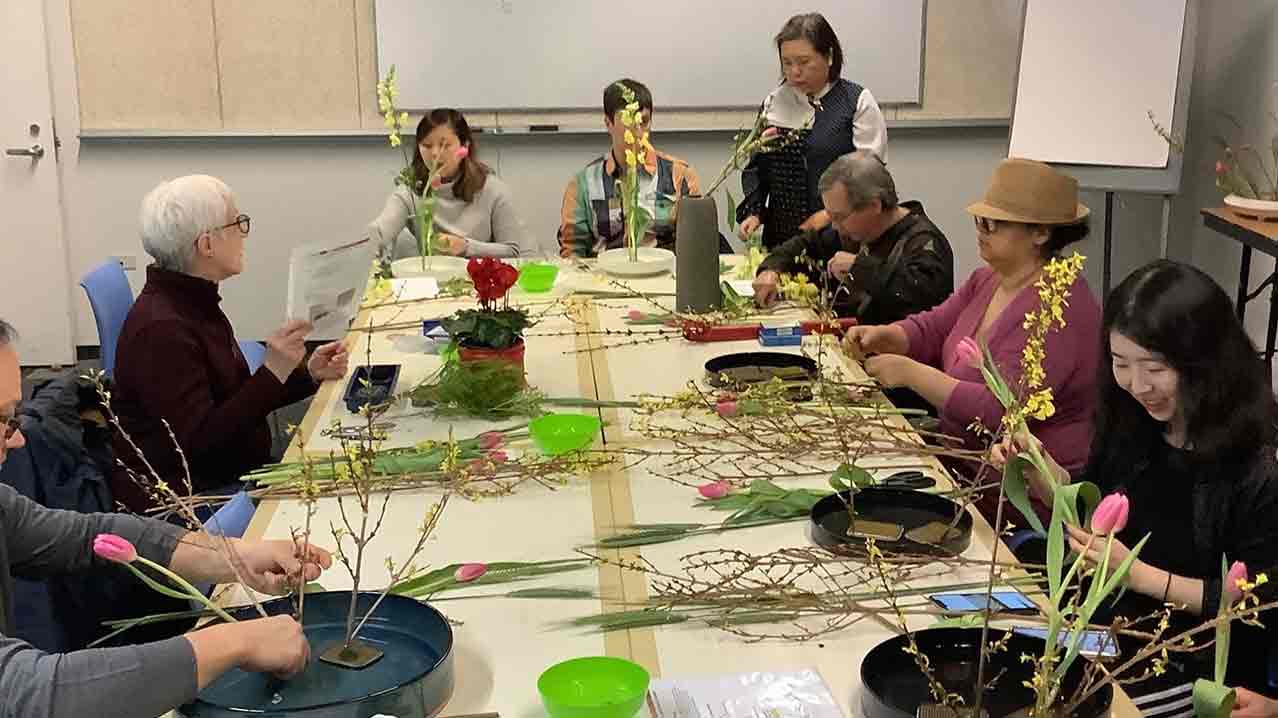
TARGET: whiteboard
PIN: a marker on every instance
(560, 54)
(1090, 73)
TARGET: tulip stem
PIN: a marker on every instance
(191, 592)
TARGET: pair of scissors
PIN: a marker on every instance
(916, 480)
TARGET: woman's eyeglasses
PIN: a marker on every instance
(985, 225)
(243, 222)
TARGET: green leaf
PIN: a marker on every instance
(730, 212)
(1090, 605)
(564, 593)
(1213, 700)
(1056, 549)
(1016, 489)
(748, 617)
(1222, 629)
(766, 488)
(850, 475)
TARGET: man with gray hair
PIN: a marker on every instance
(146, 680)
(883, 259)
(179, 368)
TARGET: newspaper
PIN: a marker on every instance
(781, 694)
(326, 284)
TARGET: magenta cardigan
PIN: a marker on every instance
(1071, 364)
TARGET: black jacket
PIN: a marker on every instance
(908, 269)
(1197, 511)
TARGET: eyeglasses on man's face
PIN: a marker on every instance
(243, 221)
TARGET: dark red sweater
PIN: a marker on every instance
(178, 360)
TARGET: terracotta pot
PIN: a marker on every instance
(513, 355)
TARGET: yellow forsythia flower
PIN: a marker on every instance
(631, 159)
(630, 137)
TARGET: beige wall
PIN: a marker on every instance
(301, 189)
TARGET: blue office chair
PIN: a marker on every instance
(254, 353)
(230, 520)
(111, 298)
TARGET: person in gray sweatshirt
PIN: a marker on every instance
(473, 212)
(141, 681)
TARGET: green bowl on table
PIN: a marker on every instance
(557, 434)
(537, 277)
(594, 687)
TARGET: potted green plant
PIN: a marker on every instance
(495, 330)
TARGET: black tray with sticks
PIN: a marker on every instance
(736, 371)
(900, 520)
(893, 686)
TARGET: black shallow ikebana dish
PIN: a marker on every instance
(413, 679)
(892, 686)
(737, 371)
(371, 385)
(900, 521)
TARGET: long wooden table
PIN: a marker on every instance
(502, 645)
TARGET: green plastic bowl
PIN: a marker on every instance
(557, 434)
(537, 277)
(596, 687)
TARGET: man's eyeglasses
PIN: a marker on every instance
(243, 222)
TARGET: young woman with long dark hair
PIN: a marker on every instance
(1186, 428)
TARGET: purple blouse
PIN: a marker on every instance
(1071, 363)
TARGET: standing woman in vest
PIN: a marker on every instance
(780, 187)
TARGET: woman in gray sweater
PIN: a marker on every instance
(474, 215)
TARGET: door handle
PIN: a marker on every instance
(34, 152)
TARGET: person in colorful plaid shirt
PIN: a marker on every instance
(592, 220)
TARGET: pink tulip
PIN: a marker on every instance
(635, 315)
(462, 152)
(715, 490)
(1110, 516)
(1221, 167)
(436, 182)
(969, 352)
(726, 409)
(478, 466)
(490, 440)
(769, 133)
(114, 548)
(1237, 573)
(468, 572)
(498, 457)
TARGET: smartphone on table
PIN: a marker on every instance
(1096, 643)
(1001, 601)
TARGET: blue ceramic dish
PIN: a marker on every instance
(414, 679)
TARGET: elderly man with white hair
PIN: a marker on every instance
(145, 680)
(178, 362)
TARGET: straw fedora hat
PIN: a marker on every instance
(1030, 192)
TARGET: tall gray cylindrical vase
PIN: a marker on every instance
(697, 255)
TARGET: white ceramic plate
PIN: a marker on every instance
(1260, 208)
(652, 261)
(440, 267)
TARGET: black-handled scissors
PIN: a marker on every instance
(916, 480)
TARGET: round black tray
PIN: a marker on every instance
(735, 371)
(892, 686)
(927, 521)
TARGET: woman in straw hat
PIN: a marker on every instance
(1029, 214)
